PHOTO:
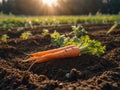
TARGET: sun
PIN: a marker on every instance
(50, 2)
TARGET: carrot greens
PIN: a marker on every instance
(80, 40)
(89, 46)
(79, 30)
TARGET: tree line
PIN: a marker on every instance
(64, 7)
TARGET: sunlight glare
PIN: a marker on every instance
(50, 2)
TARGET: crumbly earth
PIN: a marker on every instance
(86, 72)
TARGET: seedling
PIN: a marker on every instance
(112, 28)
(4, 37)
(9, 30)
(28, 23)
(20, 28)
(56, 23)
(57, 39)
(26, 35)
(45, 32)
(79, 30)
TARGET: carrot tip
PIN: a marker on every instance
(30, 59)
(27, 60)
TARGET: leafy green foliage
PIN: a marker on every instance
(45, 32)
(26, 35)
(56, 23)
(79, 30)
(28, 23)
(4, 37)
(62, 40)
(84, 43)
(57, 39)
(90, 46)
(10, 21)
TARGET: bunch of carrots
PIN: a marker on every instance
(84, 46)
(68, 47)
(63, 52)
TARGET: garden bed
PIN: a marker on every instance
(87, 72)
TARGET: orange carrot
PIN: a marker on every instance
(66, 53)
(50, 51)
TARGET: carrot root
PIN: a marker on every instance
(30, 59)
(67, 53)
(50, 51)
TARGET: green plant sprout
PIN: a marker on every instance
(112, 28)
(26, 35)
(57, 39)
(79, 30)
(45, 32)
(4, 37)
(28, 23)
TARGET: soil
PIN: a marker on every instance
(86, 72)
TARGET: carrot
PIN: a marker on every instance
(50, 51)
(30, 59)
(66, 53)
(38, 54)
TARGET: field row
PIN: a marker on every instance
(10, 21)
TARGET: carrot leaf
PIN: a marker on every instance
(79, 30)
(89, 46)
(84, 43)
(112, 28)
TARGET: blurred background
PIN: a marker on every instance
(59, 7)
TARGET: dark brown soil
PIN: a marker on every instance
(86, 72)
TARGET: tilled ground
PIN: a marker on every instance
(87, 72)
